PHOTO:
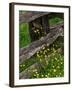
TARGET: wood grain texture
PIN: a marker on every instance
(30, 16)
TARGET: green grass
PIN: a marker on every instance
(55, 20)
(24, 36)
(55, 67)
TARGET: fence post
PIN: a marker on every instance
(45, 24)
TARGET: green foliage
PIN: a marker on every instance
(54, 67)
(55, 20)
(24, 36)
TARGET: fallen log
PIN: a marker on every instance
(30, 50)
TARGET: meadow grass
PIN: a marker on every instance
(24, 36)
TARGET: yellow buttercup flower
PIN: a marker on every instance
(43, 47)
(58, 67)
(48, 49)
(37, 55)
(61, 63)
(40, 59)
(55, 58)
(53, 54)
(23, 65)
(36, 72)
(53, 66)
(42, 75)
(45, 56)
(54, 70)
(60, 73)
(46, 76)
(34, 75)
(45, 51)
(35, 31)
(37, 52)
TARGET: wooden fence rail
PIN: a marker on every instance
(30, 16)
(28, 71)
(30, 50)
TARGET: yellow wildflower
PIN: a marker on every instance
(43, 47)
(35, 31)
(42, 75)
(46, 76)
(54, 70)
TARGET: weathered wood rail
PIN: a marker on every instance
(31, 16)
(28, 71)
(37, 21)
(30, 50)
